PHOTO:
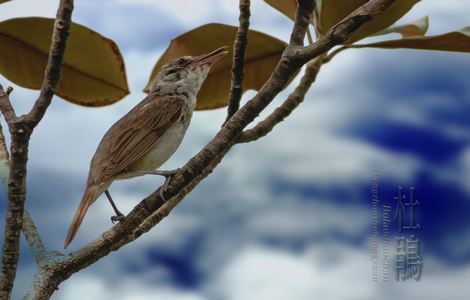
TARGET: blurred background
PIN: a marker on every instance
(289, 216)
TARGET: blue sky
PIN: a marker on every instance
(287, 217)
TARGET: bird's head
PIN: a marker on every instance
(187, 73)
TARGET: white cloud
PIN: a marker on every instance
(92, 287)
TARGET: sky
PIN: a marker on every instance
(289, 216)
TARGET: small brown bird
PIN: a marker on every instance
(149, 134)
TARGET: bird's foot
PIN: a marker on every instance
(118, 218)
(168, 175)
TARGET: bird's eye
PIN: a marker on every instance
(181, 62)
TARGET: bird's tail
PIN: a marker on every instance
(91, 194)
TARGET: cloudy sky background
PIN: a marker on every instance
(287, 217)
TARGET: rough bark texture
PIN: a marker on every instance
(54, 268)
(239, 47)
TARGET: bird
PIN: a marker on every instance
(148, 135)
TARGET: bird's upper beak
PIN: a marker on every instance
(210, 58)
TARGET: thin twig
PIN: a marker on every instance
(239, 49)
(5, 105)
(4, 160)
(20, 130)
(309, 37)
(303, 15)
(285, 109)
(33, 238)
(54, 63)
(341, 32)
(333, 53)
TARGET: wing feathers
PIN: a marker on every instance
(133, 136)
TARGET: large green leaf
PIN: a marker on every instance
(418, 27)
(332, 11)
(93, 71)
(261, 57)
(457, 41)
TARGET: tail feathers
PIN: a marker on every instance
(91, 194)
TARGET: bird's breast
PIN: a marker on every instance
(164, 148)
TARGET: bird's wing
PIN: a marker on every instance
(134, 135)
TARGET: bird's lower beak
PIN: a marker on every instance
(210, 58)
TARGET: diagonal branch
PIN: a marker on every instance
(137, 221)
(280, 113)
(21, 129)
(341, 32)
(33, 238)
(54, 63)
(303, 15)
(239, 48)
(5, 104)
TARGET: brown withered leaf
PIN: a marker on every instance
(333, 11)
(262, 54)
(93, 71)
(456, 41)
(418, 27)
(286, 7)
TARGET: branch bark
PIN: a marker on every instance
(5, 105)
(341, 32)
(21, 129)
(33, 238)
(239, 48)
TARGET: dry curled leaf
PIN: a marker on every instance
(262, 54)
(286, 7)
(456, 41)
(93, 71)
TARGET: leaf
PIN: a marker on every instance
(416, 28)
(286, 7)
(261, 57)
(3, 1)
(457, 41)
(333, 11)
(93, 71)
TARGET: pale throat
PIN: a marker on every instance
(187, 87)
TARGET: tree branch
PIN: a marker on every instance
(21, 129)
(137, 221)
(303, 16)
(341, 32)
(54, 63)
(33, 238)
(293, 100)
(239, 47)
(4, 160)
(5, 105)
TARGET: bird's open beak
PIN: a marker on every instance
(210, 58)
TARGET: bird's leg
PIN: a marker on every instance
(119, 216)
(167, 174)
